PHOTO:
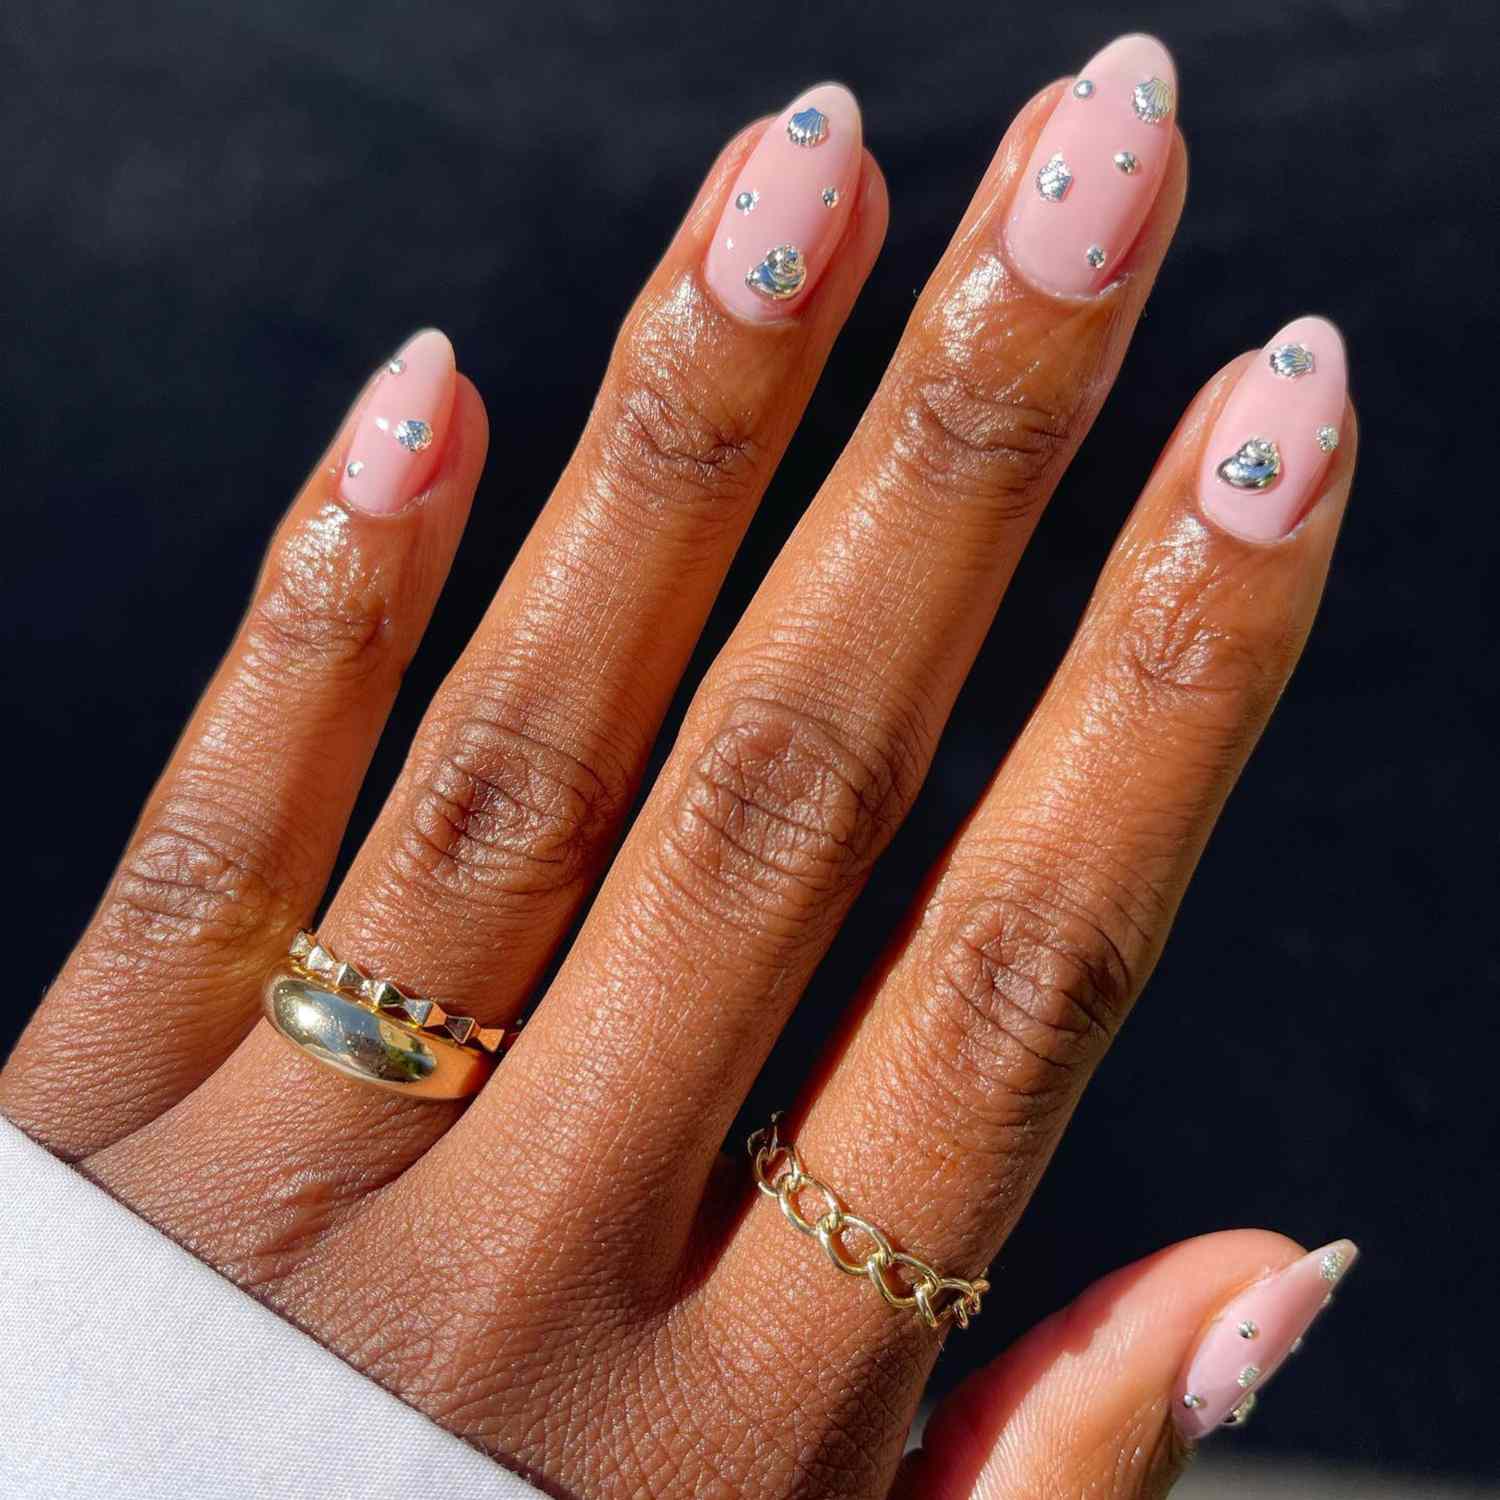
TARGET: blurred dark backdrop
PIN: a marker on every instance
(217, 218)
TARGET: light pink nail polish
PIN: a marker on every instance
(1096, 169)
(1266, 457)
(402, 424)
(788, 207)
(1252, 1337)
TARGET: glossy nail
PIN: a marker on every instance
(1251, 1338)
(402, 424)
(787, 209)
(1095, 170)
(1265, 460)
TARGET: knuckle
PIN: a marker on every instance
(779, 813)
(503, 811)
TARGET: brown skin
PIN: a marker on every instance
(562, 1273)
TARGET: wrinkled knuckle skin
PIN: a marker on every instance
(1020, 998)
(777, 813)
(502, 811)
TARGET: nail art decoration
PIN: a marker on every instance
(355, 469)
(1083, 89)
(780, 275)
(1127, 162)
(747, 200)
(1328, 438)
(1249, 1329)
(1253, 466)
(1241, 1414)
(830, 196)
(808, 127)
(1247, 1377)
(1054, 179)
(413, 434)
(397, 366)
(1193, 1402)
(1094, 255)
(1292, 361)
(1331, 1267)
(1152, 100)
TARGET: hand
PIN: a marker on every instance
(568, 1272)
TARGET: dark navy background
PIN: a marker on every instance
(217, 218)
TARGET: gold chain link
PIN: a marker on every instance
(903, 1280)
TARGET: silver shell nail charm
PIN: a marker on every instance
(1248, 1376)
(1083, 89)
(1126, 161)
(1152, 100)
(413, 434)
(808, 127)
(1054, 179)
(1292, 361)
(1241, 1414)
(1328, 438)
(830, 197)
(747, 200)
(780, 275)
(1094, 255)
(1332, 1265)
(1253, 467)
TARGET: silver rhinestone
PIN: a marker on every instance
(1094, 255)
(830, 197)
(808, 127)
(1083, 89)
(413, 434)
(1126, 161)
(747, 200)
(1328, 438)
(355, 469)
(1296, 1346)
(1152, 100)
(1249, 1330)
(780, 275)
(1247, 1377)
(1332, 1265)
(1193, 1402)
(1292, 361)
(1054, 179)
(1241, 1414)
(397, 366)
(1254, 465)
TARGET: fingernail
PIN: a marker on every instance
(1268, 452)
(1096, 169)
(788, 207)
(402, 424)
(1251, 1338)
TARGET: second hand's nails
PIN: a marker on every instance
(788, 207)
(401, 425)
(1253, 1336)
(1095, 170)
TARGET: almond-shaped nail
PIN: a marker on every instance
(1266, 457)
(787, 209)
(1096, 169)
(1251, 1338)
(402, 424)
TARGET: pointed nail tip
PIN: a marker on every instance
(1143, 44)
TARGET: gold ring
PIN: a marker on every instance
(372, 1031)
(902, 1280)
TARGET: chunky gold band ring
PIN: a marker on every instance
(904, 1281)
(373, 1031)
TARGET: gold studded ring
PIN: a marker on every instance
(903, 1280)
(373, 1031)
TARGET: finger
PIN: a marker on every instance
(1100, 1399)
(1046, 915)
(237, 840)
(531, 751)
(811, 733)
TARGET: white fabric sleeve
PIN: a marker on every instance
(130, 1369)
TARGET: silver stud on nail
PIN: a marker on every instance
(830, 197)
(1054, 179)
(413, 434)
(780, 275)
(1152, 100)
(355, 469)
(1249, 1330)
(1194, 1402)
(1127, 162)
(1241, 1414)
(397, 366)
(1292, 361)
(1094, 255)
(1254, 465)
(1247, 1377)
(1328, 438)
(1083, 89)
(747, 200)
(808, 127)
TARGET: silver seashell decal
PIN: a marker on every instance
(1152, 100)
(1254, 466)
(1054, 179)
(1292, 361)
(1328, 438)
(808, 127)
(780, 275)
